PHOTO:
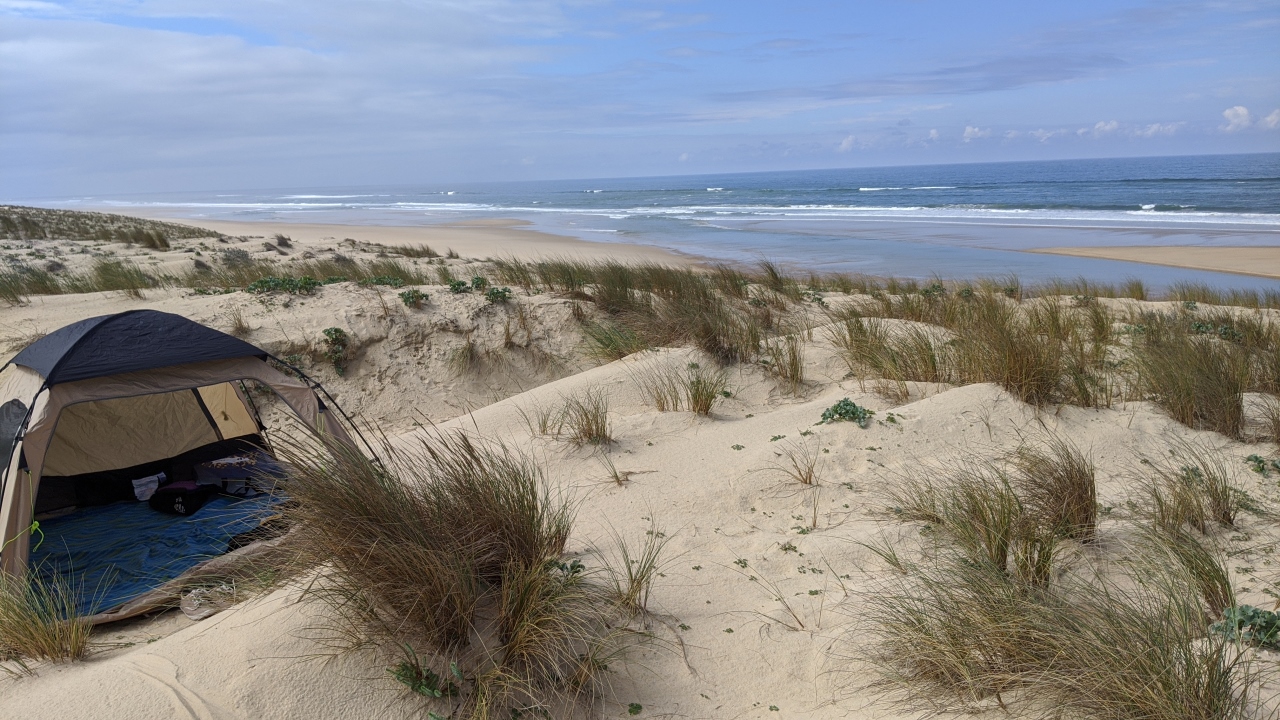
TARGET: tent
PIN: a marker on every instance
(124, 396)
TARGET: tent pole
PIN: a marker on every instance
(317, 386)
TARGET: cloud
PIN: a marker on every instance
(1155, 130)
(124, 95)
(997, 74)
(1272, 121)
(1238, 118)
(1045, 135)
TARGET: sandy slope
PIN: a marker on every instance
(494, 237)
(742, 536)
(1257, 261)
(400, 371)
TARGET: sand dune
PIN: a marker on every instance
(742, 536)
(759, 608)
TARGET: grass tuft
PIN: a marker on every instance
(39, 621)
(632, 570)
(985, 619)
(1198, 380)
(495, 616)
(670, 389)
(786, 361)
(586, 417)
(1059, 486)
(802, 462)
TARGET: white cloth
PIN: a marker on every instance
(144, 488)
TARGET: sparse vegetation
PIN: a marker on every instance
(988, 615)
(802, 462)
(496, 597)
(39, 621)
(785, 361)
(337, 348)
(633, 571)
(1194, 488)
(497, 295)
(586, 416)
(847, 410)
(669, 388)
(413, 298)
(28, 223)
(239, 326)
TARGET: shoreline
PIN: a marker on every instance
(1255, 261)
(476, 238)
(516, 237)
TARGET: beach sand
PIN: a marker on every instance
(1255, 261)
(760, 603)
(487, 238)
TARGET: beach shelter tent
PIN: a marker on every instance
(119, 395)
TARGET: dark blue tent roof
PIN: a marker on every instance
(128, 342)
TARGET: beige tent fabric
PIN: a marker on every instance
(122, 432)
(294, 392)
(50, 406)
(19, 383)
(229, 410)
(22, 384)
(15, 512)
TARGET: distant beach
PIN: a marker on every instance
(1255, 261)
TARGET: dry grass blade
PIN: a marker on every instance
(1058, 484)
(1271, 419)
(955, 634)
(1199, 381)
(239, 326)
(39, 620)
(703, 388)
(786, 361)
(1140, 650)
(1176, 548)
(632, 570)
(467, 358)
(1194, 487)
(495, 593)
(545, 420)
(612, 341)
(586, 417)
(802, 462)
(660, 385)
(670, 389)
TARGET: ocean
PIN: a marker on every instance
(946, 220)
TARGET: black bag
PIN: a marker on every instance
(181, 498)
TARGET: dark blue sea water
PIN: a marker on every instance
(949, 220)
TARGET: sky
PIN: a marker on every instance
(99, 97)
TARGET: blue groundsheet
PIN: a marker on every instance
(113, 553)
